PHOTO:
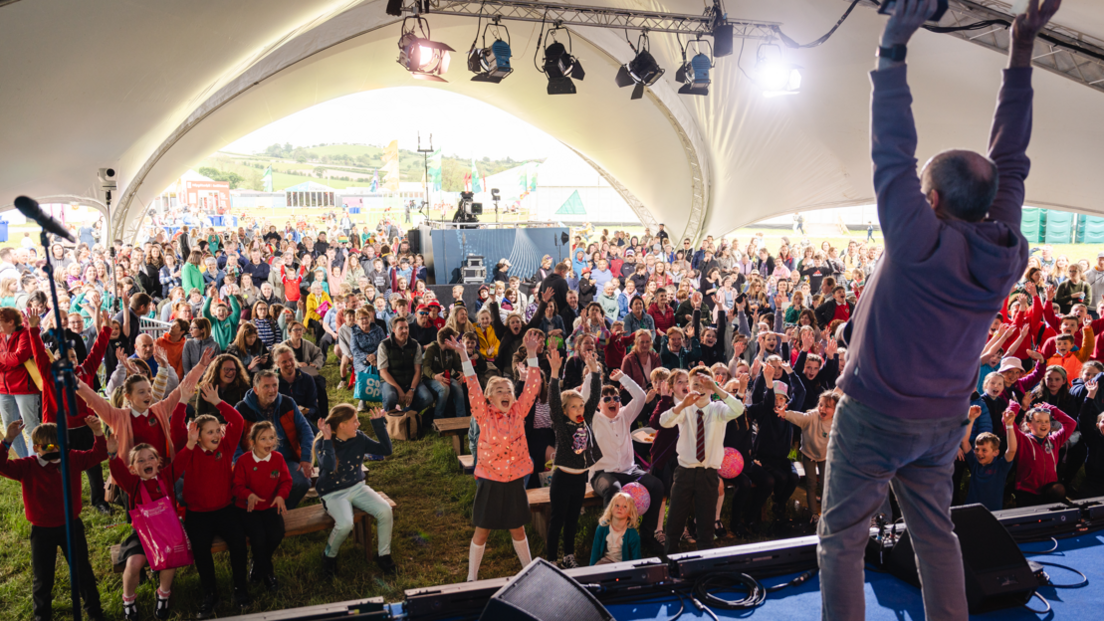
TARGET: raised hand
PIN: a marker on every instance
(547, 294)
(616, 375)
(1031, 289)
(159, 355)
(531, 342)
(1027, 25)
(555, 360)
(193, 433)
(974, 413)
(324, 427)
(95, 424)
(210, 394)
(1027, 400)
(1009, 417)
(14, 429)
(1091, 387)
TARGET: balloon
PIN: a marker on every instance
(640, 496)
(732, 464)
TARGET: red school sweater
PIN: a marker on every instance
(42, 499)
(130, 482)
(209, 474)
(267, 479)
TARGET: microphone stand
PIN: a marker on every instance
(66, 381)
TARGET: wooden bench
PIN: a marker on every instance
(467, 463)
(312, 493)
(300, 521)
(455, 427)
(540, 505)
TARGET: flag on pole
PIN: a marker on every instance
(435, 171)
(476, 188)
(267, 179)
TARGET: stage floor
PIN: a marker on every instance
(889, 599)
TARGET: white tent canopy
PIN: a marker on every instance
(150, 88)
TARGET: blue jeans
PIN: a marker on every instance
(453, 393)
(867, 452)
(27, 407)
(423, 398)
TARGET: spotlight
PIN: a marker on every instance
(773, 74)
(423, 58)
(694, 74)
(394, 7)
(491, 64)
(643, 70)
(560, 66)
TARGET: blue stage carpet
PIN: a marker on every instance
(890, 599)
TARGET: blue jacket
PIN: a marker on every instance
(250, 410)
(363, 343)
(303, 391)
(630, 544)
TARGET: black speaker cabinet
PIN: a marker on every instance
(541, 592)
(997, 573)
(414, 236)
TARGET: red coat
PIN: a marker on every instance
(120, 472)
(15, 349)
(267, 479)
(663, 320)
(42, 500)
(85, 371)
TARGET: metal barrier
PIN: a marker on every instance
(153, 327)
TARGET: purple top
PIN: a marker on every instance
(927, 308)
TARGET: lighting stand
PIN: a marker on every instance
(66, 383)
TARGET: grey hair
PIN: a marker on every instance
(965, 191)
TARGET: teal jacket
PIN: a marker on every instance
(223, 331)
(630, 544)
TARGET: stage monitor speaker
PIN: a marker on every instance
(997, 573)
(414, 236)
(541, 592)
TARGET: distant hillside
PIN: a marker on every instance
(337, 165)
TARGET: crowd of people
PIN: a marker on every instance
(713, 346)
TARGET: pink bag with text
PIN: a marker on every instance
(163, 538)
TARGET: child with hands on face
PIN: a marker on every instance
(578, 450)
(40, 478)
(340, 448)
(1037, 450)
(206, 462)
(262, 484)
(988, 468)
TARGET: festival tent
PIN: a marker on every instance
(149, 88)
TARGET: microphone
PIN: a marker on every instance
(29, 208)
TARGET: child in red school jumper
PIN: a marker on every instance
(206, 463)
(500, 499)
(142, 467)
(40, 478)
(1037, 453)
(262, 483)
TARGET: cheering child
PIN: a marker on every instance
(40, 477)
(578, 451)
(815, 426)
(616, 539)
(700, 450)
(988, 469)
(1037, 453)
(142, 467)
(262, 483)
(206, 463)
(340, 448)
(504, 462)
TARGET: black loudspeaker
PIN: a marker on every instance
(997, 573)
(541, 592)
(414, 236)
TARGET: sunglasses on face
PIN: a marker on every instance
(614, 398)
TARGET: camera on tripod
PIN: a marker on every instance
(466, 209)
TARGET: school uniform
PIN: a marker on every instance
(268, 478)
(578, 451)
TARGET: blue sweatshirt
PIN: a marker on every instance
(928, 305)
(346, 471)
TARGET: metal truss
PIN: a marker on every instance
(599, 17)
(1068, 53)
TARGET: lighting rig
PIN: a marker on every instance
(424, 58)
(491, 63)
(642, 70)
(694, 73)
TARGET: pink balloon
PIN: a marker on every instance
(732, 464)
(640, 496)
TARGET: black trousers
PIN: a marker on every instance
(785, 478)
(609, 484)
(566, 497)
(1072, 458)
(753, 487)
(323, 397)
(692, 488)
(202, 526)
(82, 439)
(265, 530)
(325, 343)
(44, 544)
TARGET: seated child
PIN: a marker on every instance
(988, 473)
(262, 484)
(40, 478)
(616, 539)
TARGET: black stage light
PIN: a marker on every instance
(394, 7)
(642, 70)
(423, 58)
(560, 66)
(491, 63)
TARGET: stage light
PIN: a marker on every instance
(491, 64)
(694, 74)
(423, 58)
(560, 66)
(773, 74)
(642, 70)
